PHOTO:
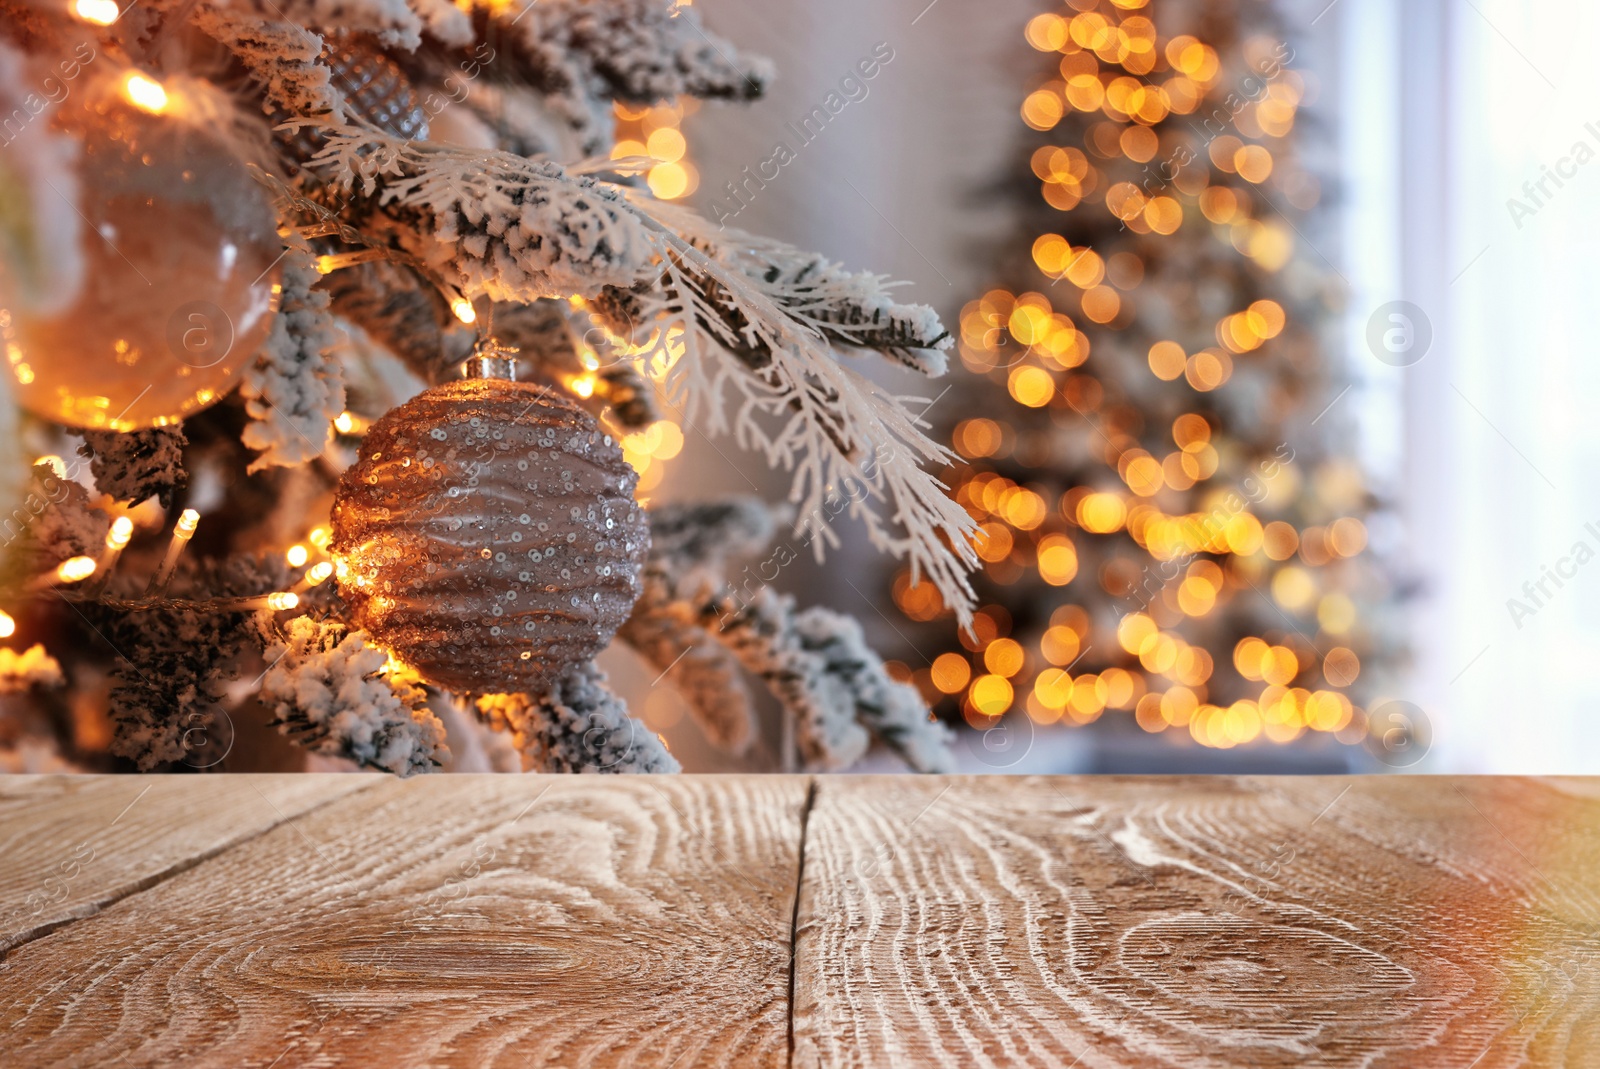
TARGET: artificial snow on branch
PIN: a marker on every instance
(280, 41)
(842, 437)
(56, 521)
(294, 389)
(169, 679)
(852, 309)
(131, 466)
(893, 711)
(582, 54)
(692, 544)
(690, 550)
(176, 657)
(335, 694)
(761, 632)
(280, 56)
(578, 726)
(492, 222)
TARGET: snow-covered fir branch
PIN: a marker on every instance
(493, 222)
(893, 711)
(175, 660)
(582, 54)
(131, 466)
(579, 726)
(855, 309)
(280, 56)
(841, 436)
(761, 632)
(334, 693)
(294, 389)
(280, 41)
(705, 674)
(55, 520)
(169, 680)
(692, 544)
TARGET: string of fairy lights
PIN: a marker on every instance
(1074, 555)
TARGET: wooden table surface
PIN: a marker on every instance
(837, 921)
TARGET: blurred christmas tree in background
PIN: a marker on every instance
(1171, 525)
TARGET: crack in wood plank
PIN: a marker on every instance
(160, 876)
(794, 915)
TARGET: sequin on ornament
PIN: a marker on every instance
(490, 566)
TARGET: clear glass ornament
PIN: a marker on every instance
(180, 284)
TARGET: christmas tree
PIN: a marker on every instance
(340, 333)
(1166, 525)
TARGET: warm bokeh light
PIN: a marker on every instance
(145, 93)
(98, 12)
(75, 569)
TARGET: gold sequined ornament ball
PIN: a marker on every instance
(180, 280)
(488, 535)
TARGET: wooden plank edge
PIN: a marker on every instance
(176, 868)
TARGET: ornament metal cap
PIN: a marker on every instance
(491, 360)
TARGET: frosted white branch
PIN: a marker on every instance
(579, 726)
(337, 695)
(294, 390)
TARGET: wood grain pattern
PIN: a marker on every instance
(449, 921)
(72, 844)
(951, 921)
(1373, 922)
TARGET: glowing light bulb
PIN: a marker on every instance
(57, 465)
(121, 531)
(319, 573)
(75, 569)
(8, 626)
(463, 310)
(281, 600)
(99, 12)
(187, 522)
(297, 556)
(319, 537)
(145, 93)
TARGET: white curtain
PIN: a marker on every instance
(1470, 147)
